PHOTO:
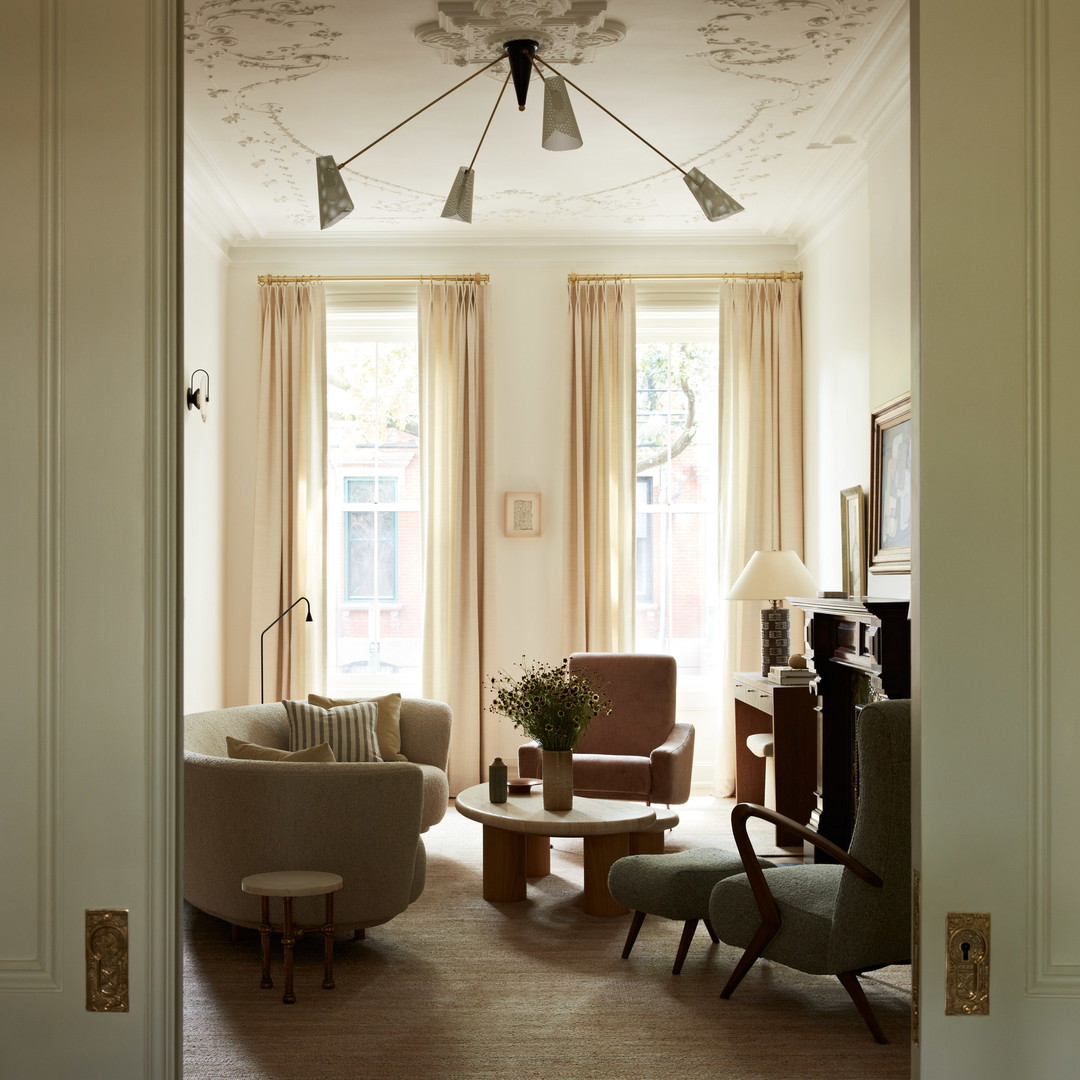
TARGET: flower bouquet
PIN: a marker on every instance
(552, 706)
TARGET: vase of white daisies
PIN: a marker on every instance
(553, 706)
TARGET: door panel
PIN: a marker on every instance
(88, 548)
(996, 580)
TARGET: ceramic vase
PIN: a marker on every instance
(558, 779)
(497, 781)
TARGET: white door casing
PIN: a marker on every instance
(997, 152)
(88, 548)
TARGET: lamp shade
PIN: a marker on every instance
(714, 201)
(458, 206)
(560, 125)
(772, 575)
(334, 200)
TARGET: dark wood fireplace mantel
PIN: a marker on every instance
(860, 649)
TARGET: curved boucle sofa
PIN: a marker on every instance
(361, 820)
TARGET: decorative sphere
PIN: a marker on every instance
(797, 661)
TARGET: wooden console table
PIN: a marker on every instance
(860, 648)
(788, 713)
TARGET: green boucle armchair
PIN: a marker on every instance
(839, 918)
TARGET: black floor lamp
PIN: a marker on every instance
(262, 636)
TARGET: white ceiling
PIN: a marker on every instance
(775, 100)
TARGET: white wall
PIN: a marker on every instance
(529, 395)
(836, 380)
(205, 266)
(856, 342)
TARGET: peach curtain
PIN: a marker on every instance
(290, 503)
(454, 317)
(761, 465)
(599, 555)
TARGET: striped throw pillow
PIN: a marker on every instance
(349, 729)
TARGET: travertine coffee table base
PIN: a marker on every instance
(517, 833)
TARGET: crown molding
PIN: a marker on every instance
(510, 242)
(208, 200)
(863, 109)
(577, 254)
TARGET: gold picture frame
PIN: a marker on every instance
(891, 497)
(853, 539)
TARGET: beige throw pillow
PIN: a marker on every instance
(349, 729)
(250, 751)
(388, 725)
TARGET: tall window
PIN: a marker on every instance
(373, 564)
(676, 486)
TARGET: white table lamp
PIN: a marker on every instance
(772, 575)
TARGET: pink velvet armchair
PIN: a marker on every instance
(638, 751)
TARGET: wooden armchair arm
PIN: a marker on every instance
(770, 913)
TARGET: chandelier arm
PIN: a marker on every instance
(506, 82)
(498, 60)
(674, 165)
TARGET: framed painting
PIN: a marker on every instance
(522, 513)
(890, 487)
(853, 538)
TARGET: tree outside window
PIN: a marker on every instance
(676, 511)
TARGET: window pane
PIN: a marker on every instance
(677, 495)
(373, 490)
(359, 489)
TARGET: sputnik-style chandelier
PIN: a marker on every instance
(560, 132)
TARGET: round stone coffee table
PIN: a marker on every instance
(517, 832)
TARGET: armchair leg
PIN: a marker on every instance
(851, 984)
(765, 933)
(684, 944)
(712, 932)
(631, 937)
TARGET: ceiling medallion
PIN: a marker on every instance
(474, 31)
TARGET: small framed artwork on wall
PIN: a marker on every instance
(890, 488)
(853, 537)
(522, 513)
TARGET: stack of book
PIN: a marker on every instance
(791, 676)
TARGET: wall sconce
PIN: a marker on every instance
(197, 396)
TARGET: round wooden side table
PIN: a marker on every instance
(289, 884)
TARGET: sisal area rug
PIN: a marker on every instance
(459, 989)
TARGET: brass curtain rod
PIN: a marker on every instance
(284, 279)
(781, 275)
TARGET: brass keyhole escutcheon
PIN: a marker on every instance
(967, 965)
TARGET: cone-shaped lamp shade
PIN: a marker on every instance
(716, 203)
(334, 201)
(560, 126)
(459, 202)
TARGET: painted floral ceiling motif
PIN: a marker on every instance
(757, 94)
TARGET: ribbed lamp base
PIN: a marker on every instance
(775, 637)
